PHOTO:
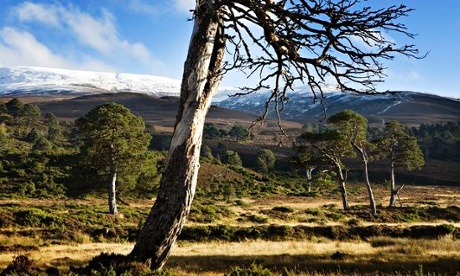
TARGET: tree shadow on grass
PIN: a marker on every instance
(336, 264)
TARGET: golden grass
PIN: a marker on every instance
(216, 258)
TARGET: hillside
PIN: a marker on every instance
(407, 107)
(41, 83)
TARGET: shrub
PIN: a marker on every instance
(21, 265)
(411, 215)
(258, 219)
(283, 209)
(253, 270)
(208, 213)
(37, 218)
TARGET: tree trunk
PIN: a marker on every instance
(369, 189)
(392, 186)
(309, 171)
(343, 189)
(112, 185)
(201, 78)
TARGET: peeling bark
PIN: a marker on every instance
(201, 78)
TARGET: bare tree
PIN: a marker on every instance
(281, 42)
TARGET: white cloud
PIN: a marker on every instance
(44, 14)
(21, 48)
(96, 32)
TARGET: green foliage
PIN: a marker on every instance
(258, 219)
(113, 139)
(206, 152)
(400, 147)
(210, 131)
(265, 161)
(231, 158)
(42, 145)
(37, 218)
(411, 215)
(30, 114)
(14, 108)
(208, 213)
(239, 133)
(253, 270)
(33, 136)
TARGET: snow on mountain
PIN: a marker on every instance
(35, 81)
(48, 82)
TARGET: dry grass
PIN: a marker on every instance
(315, 257)
(304, 257)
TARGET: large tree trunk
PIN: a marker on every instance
(200, 81)
(112, 185)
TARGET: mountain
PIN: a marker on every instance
(20, 81)
(36, 81)
(404, 106)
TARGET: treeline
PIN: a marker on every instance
(42, 156)
(439, 141)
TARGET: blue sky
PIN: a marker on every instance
(151, 37)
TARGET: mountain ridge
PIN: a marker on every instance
(406, 106)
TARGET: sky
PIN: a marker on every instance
(151, 37)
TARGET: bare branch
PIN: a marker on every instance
(312, 42)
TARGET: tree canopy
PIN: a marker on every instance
(113, 141)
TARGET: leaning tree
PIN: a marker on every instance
(279, 43)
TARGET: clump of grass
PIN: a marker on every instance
(240, 202)
(313, 212)
(283, 209)
(258, 219)
(335, 216)
(208, 213)
(81, 238)
(253, 270)
(411, 215)
(383, 241)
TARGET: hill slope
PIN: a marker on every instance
(407, 107)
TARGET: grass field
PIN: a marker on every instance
(65, 233)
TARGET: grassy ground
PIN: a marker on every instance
(64, 233)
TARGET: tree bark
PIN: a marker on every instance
(201, 78)
(369, 189)
(112, 185)
(309, 171)
(392, 186)
(343, 188)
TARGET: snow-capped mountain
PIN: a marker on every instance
(49, 82)
(35, 81)
(408, 106)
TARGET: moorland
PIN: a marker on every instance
(245, 218)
